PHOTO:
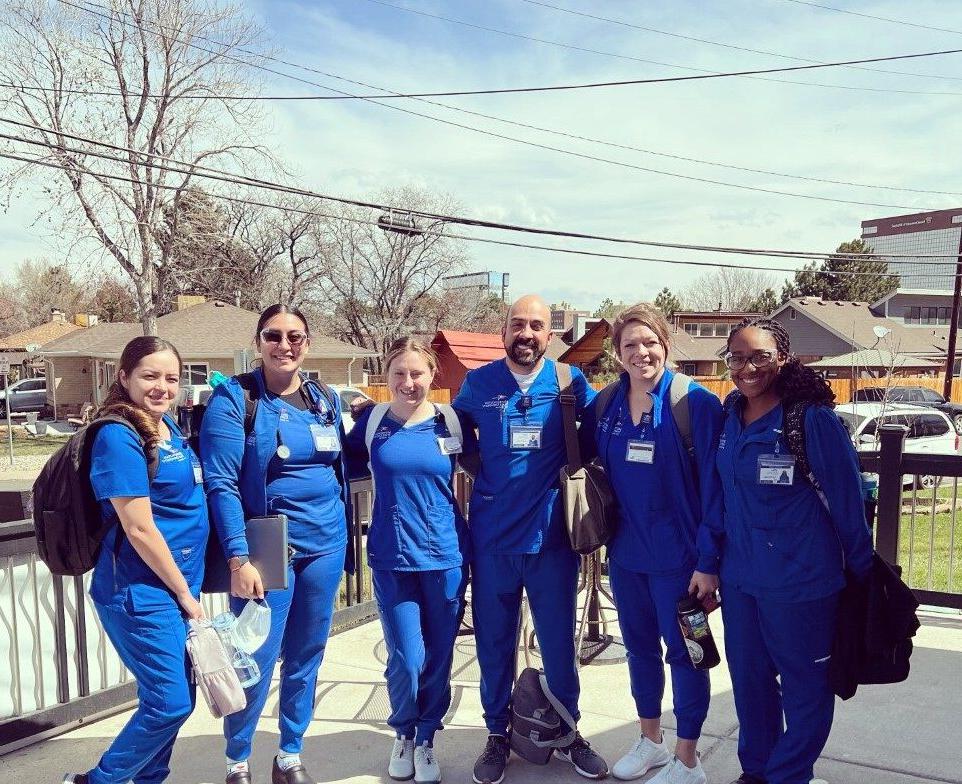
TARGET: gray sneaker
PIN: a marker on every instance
(489, 769)
(587, 762)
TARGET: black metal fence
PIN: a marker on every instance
(63, 670)
(917, 520)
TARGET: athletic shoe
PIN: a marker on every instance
(75, 778)
(676, 772)
(426, 768)
(489, 769)
(587, 762)
(644, 755)
(401, 766)
(748, 778)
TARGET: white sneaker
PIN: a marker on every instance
(818, 781)
(676, 772)
(426, 768)
(644, 755)
(401, 766)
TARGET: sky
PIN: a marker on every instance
(883, 134)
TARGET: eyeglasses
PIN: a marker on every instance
(759, 359)
(294, 337)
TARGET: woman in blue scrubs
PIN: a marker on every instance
(416, 547)
(146, 583)
(667, 542)
(290, 463)
(785, 552)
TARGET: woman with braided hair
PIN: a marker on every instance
(789, 537)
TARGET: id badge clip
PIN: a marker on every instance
(325, 438)
(640, 452)
(525, 436)
(776, 469)
(450, 445)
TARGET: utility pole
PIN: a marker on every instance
(953, 326)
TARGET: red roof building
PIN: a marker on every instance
(459, 352)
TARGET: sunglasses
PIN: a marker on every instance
(294, 337)
(760, 359)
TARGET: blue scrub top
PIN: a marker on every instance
(780, 540)
(670, 510)
(118, 469)
(514, 505)
(415, 524)
(304, 486)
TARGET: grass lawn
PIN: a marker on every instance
(25, 445)
(929, 545)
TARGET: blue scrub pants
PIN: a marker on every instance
(782, 729)
(152, 645)
(300, 623)
(647, 613)
(550, 579)
(420, 615)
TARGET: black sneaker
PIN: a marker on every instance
(489, 769)
(748, 778)
(75, 778)
(587, 762)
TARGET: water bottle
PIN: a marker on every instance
(248, 673)
(693, 621)
(253, 625)
(870, 496)
(216, 378)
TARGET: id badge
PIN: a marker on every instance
(198, 474)
(526, 436)
(640, 452)
(776, 469)
(325, 438)
(450, 445)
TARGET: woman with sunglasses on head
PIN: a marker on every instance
(146, 582)
(289, 461)
(666, 545)
(417, 549)
(787, 545)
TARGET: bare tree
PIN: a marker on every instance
(138, 76)
(372, 282)
(727, 288)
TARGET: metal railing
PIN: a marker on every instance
(63, 670)
(917, 524)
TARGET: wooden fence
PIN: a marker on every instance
(842, 387)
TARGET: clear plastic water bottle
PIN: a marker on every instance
(248, 673)
(253, 625)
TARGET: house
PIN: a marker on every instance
(875, 363)
(209, 336)
(18, 347)
(708, 323)
(458, 352)
(831, 328)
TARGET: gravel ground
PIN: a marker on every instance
(24, 466)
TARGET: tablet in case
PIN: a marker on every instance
(267, 550)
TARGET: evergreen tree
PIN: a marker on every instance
(667, 303)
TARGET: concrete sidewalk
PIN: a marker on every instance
(904, 734)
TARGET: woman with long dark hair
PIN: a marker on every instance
(289, 462)
(791, 531)
(146, 583)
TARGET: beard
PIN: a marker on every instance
(526, 353)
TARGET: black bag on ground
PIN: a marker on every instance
(66, 515)
(539, 722)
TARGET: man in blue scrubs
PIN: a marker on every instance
(517, 527)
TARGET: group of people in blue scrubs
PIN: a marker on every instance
(697, 516)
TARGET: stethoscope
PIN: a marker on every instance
(283, 451)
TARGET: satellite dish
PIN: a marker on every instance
(880, 331)
(31, 347)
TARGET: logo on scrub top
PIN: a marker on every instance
(722, 441)
(381, 433)
(498, 401)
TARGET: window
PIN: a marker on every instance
(913, 315)
(314, 375)
(32, 386)
(691, 329)
(943, 315)
(931, 396)
(194, 373)
(927, 425)
(688, 368)
(705, 330)
(110, 371)
(791, 314)
(722, 330)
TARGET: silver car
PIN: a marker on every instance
(29, 394)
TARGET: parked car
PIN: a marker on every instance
(346, 395)
(29, 394)
(930, 431)
(920, 396)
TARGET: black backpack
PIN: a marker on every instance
(66, 515)
(539, 722)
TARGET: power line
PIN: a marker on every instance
(586, 85)
(219, 175)
(486, 240)
(901, 22)
(710, 42)
(536, 145)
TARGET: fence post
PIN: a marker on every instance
(889, 513)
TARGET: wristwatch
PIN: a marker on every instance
(236, 562)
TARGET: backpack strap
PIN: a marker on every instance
(451, 421)
(678, 399)
(793, 428)
(568, 401)
(373, 423)
(252, 394)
